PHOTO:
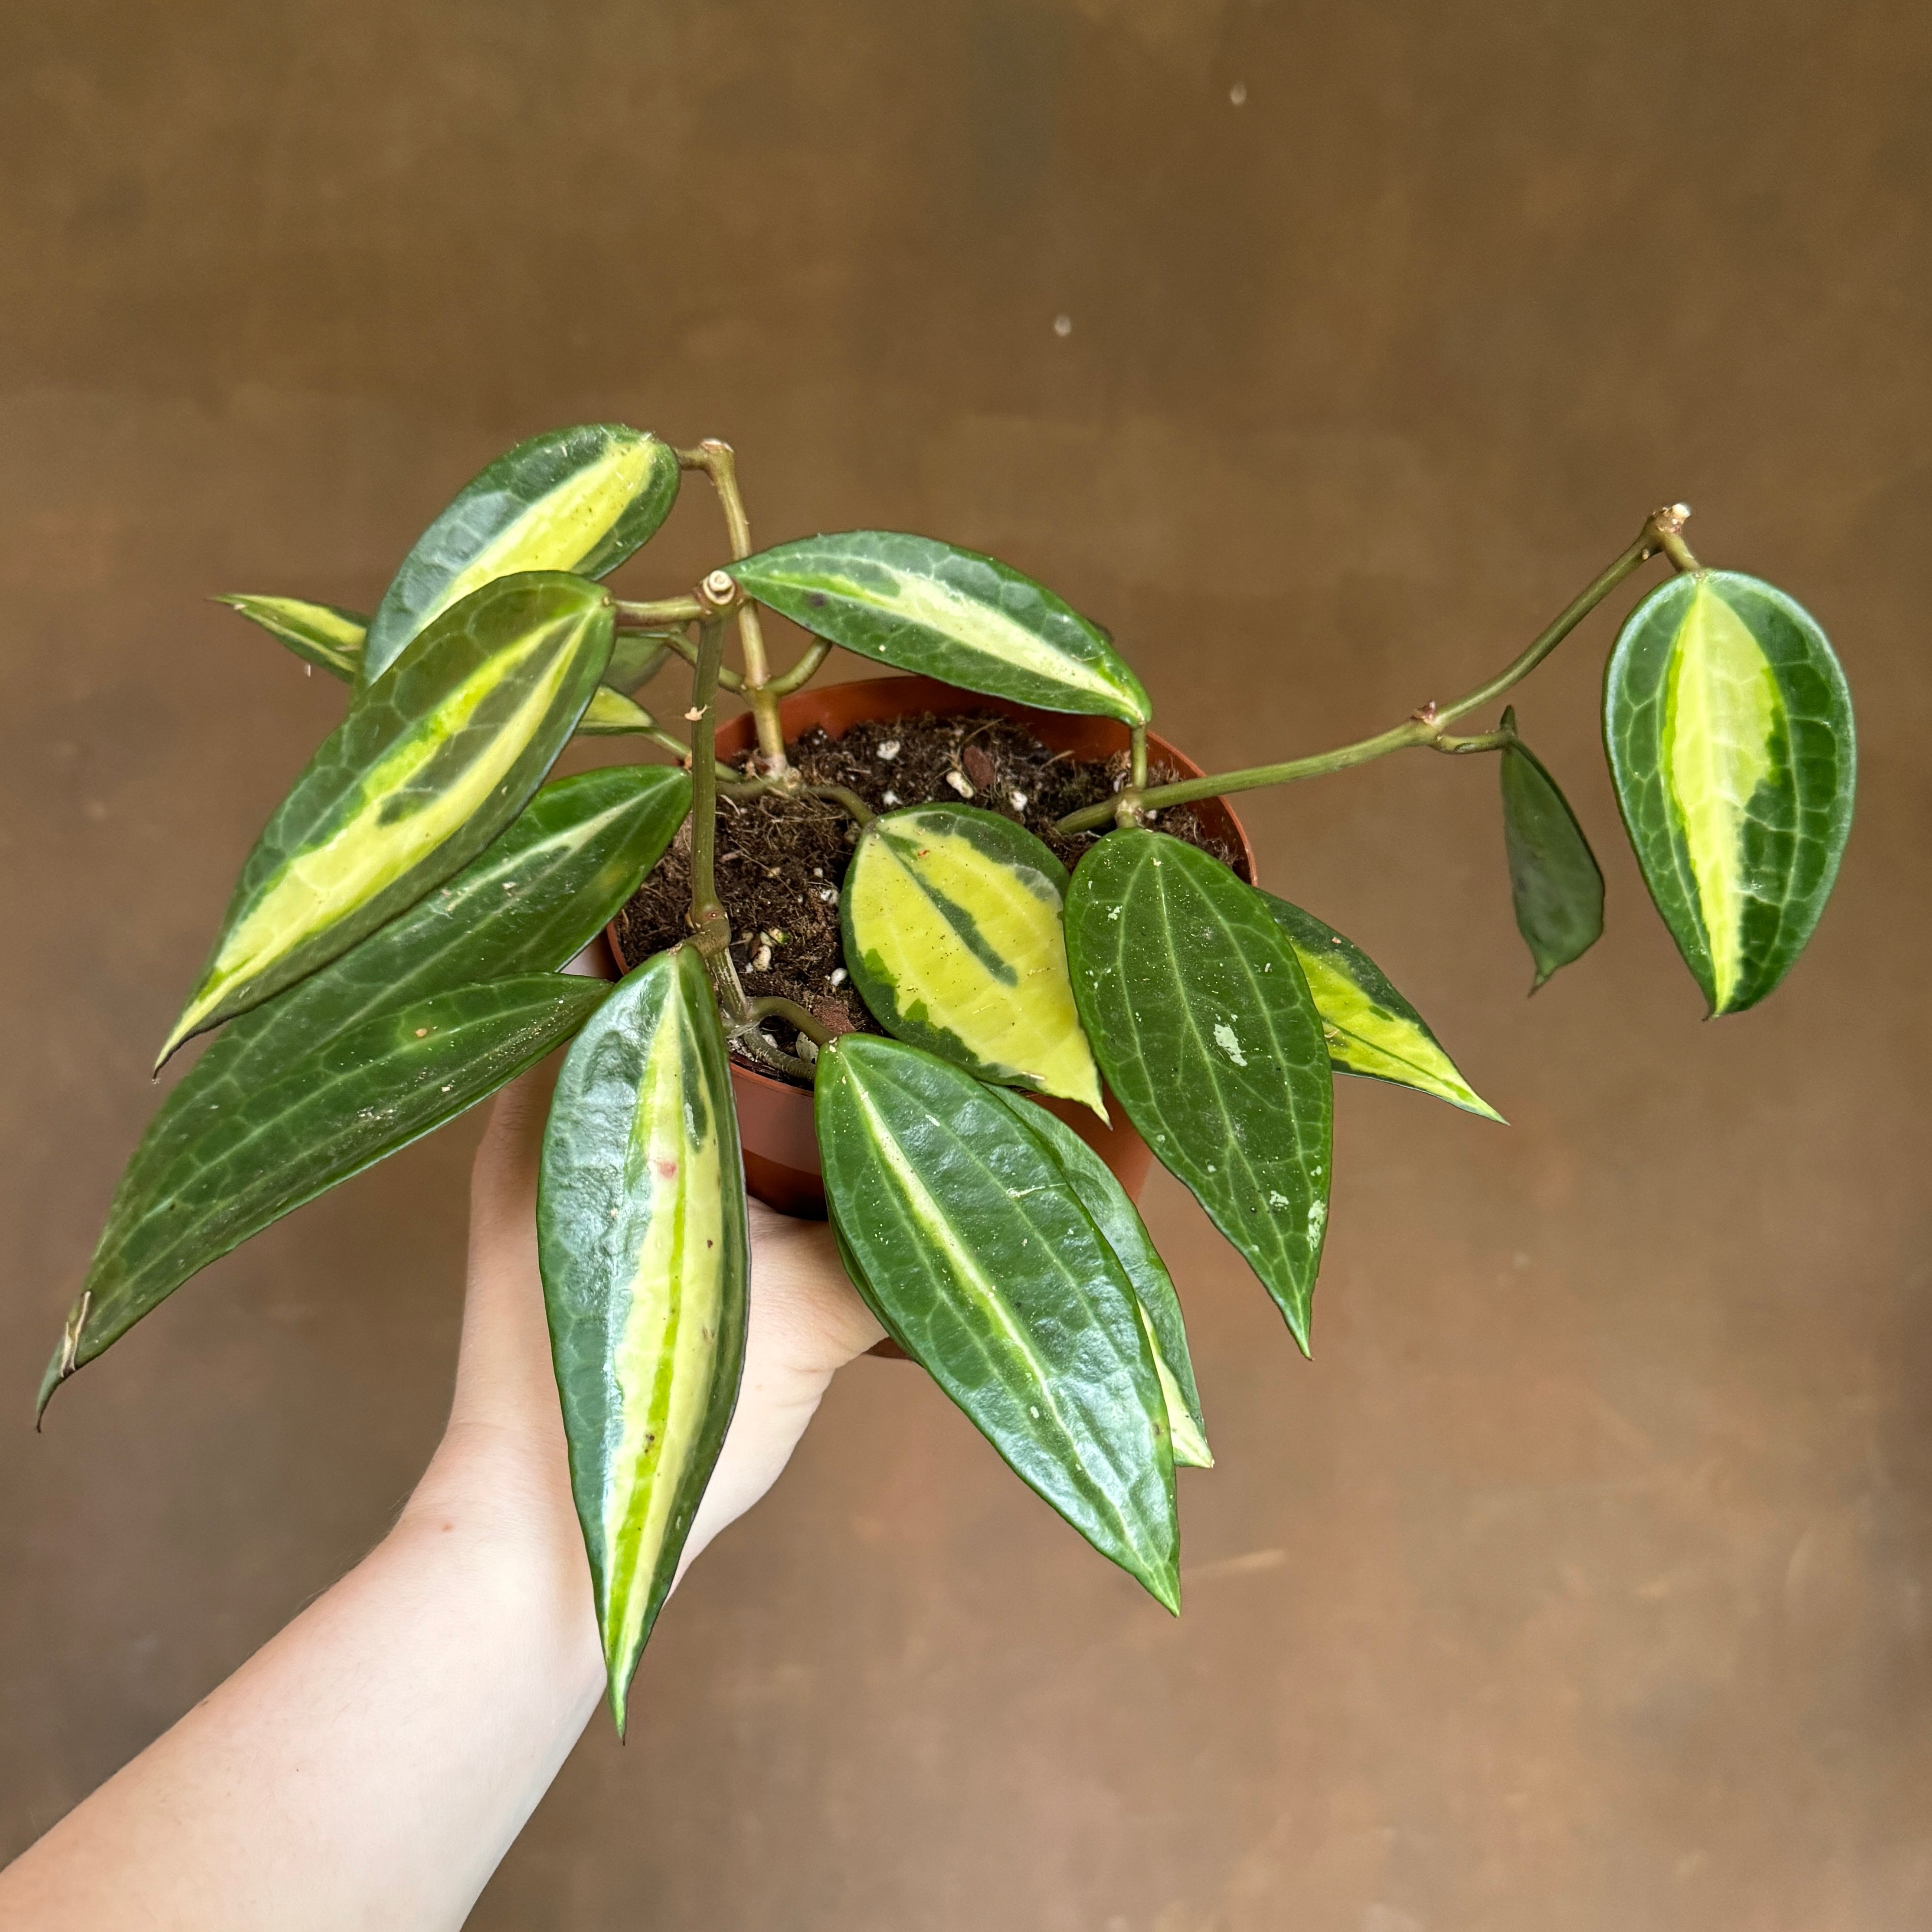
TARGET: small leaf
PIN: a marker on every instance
(1372, 1030)
(609, 714)
(642, 1239)
(950, 613)
(579, 499)
(432, 760)
(1120, 1225)
(1203, 1023)
(974, 1250)
(635, 659)
(1554, 877)
(321, 633)
(533, 899)
(1729, 728)
(951, 923)
(316, 1120)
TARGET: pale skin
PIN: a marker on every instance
(369, 1766)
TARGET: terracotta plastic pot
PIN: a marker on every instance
(774, 1118)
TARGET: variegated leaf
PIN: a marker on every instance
(951, 918)
(1120, 1225)
(580, 500)
(322, 634)
(1729, 728)
(533, 898)
(1372, 1030)
(974, 1250)
(950, 613)
(1203, 1023)
(609, 714)
(301, 1125)
(642, 1240)
(432, 760)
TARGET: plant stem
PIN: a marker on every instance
(649, 616)
(1423, 727)
(687, 650)
(855, 806)
(803, 671)
(718, 462)
(1137, 744)
(710, 927)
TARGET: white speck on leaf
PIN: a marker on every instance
(1318, 1219)
(1224, 1038)
(1278, 1199)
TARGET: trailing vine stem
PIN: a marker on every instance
(711, 929)
(1662, 533)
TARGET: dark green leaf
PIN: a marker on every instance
(1372, 1030)
(433, 760)
(320, 633)
(1554, 877)
(328, 1114)
(1203, 1023)
(1729, 728)
(1120, 1225)
(950, 613)
(579, 499)
(642, 1238)
(975, 1252)
(533, 899)
(635, 659)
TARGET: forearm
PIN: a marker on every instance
(370, 1765)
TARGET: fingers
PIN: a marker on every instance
(817, 1321)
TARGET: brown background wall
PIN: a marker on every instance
(1581, 1581)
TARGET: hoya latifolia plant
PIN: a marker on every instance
(391, 956)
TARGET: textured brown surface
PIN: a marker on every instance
(1581, 1581)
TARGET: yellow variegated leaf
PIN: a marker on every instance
(609, 714)
(579, 499)
(1730, 737)
(952, 922)
(320, 633)
(1371, 1030)
(642, 1241)
(432, 761)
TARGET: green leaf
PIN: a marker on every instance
(609, 714)
(579, 499)
(1202, 1021)
(974, 1250)
(1372, 1030)
(323, 634)
(433, 760)
(1554, 877)
(1120, 1225)
(950, 613)
(1729, 728)
(533, 900)
(313, 1123)
(642, 1239)
(951, 921)
(635, 659)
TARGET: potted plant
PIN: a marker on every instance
(998, 957)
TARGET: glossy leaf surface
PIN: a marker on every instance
(323, 634)
(1120, 1225)
(1202, 1019)
(609, 714)
(1554, 881)
(1729, 728)
(533, 899)
(951, 919)
(580, 500)
(1372, 1030)
(432, 760)
(298, 1130)
(950, 613)
(642, 1239)
(975, 1254)
(635, 659)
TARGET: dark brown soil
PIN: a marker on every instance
(780, 862)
